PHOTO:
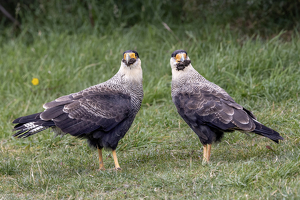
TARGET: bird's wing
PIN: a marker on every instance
(206, 106)
(98, 107)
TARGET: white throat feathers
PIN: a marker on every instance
(132, 73)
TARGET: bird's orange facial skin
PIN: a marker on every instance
(132, 55)
(178, 56)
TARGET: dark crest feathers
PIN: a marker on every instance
(177, 52)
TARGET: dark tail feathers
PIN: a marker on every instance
(30, 125)
(267, 132)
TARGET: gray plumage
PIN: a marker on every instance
(206, 107)
(102, 113)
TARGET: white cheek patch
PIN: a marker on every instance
(133, 72)
(178, 74)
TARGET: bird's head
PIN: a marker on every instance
(179, 60)
(130, 57)
(131, 66)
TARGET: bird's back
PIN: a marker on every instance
(193, 82)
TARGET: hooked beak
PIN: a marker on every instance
(182, 58)
(129, 58)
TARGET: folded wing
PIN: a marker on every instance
(200, 106)
(97, 107)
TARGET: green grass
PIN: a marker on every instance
(161, 157)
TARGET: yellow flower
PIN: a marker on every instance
(35, 81)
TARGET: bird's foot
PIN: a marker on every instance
(118, 168)
(115, 169)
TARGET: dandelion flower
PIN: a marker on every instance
(35, 81)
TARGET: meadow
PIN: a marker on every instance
(160, 156)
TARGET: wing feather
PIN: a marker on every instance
(96, 107)
(212, 108)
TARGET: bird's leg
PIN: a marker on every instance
(204, 152)
(101, 166)
(117, 166)
(208, 152)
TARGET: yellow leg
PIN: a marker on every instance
(101, 166)
(117, 166)
(204, 152)
(208, 152)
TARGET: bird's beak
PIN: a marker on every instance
(180, 57)
(128, 56)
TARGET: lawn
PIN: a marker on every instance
(160, 156)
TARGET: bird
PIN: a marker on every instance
(207, 108)
(101, 114)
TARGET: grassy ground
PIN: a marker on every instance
(161, 157)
